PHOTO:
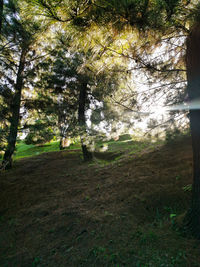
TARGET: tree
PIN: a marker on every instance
(15, 110)
(73, 85)
(154, 19)
(68, 92)
(39, 133)
(1, 14)
(193, 77)
(83, 96)
(20, 36)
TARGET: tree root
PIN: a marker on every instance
(6, 165)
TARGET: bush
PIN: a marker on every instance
(171, 135)
(39, 137)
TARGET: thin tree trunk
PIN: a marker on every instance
(15, 111)
(61, 144)
(61, 119)
(87, 155)
(192, 219)
(1, 15)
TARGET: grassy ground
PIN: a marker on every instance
(124, 144)
(56, 210)
(23, 150)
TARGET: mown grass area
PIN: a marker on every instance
(124, 144)
(56, 210)
(23, 150)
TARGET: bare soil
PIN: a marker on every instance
(56, 210)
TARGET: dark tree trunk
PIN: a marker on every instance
(87, 155)
(15, 114)
(61, 147)
(61, 120)
(64, 142)
(1, 15)
(192, 219)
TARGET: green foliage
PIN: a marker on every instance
(36, 262)
(18, 60)
(2, 139)
(44, 137)
(117, 13)
(172, 134)
(39, 134)
(187, 188)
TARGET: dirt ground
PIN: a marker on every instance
(56, 210)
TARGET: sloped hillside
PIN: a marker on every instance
(56, 210)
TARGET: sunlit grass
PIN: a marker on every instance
(23, 150)
(124, 144)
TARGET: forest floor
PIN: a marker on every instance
(56, 210)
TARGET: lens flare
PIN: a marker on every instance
(195, 104)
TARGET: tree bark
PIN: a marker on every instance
(15, 113)
(192, 219)
(1, 15)
(87, 155)
(61, 147)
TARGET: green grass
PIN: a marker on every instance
(150, 235)
(113, 146)
(131, 147)
(23, 150)
(124, 144)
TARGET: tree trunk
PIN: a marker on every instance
(1, 15)
(61, 147)
(192, 219)
(64, 142)
(87, 155)
(15, 114)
